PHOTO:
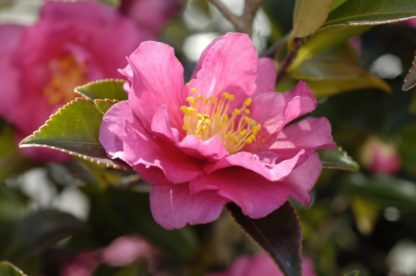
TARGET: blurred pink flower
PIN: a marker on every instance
(222, 137)
(71, 43)
(261, 264)
(150, 15)
(380, 157)
(411, 22)
(122, 251)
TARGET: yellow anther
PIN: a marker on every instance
(191, 100)
(194, 89)
(228, 96)
(247, 102)
(206, 117)
(236, 112)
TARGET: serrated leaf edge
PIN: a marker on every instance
(78, 90)
(24, 144)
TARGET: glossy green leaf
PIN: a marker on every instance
(51, 227)
(337, 63)
(326, 88)
(126, 212)
(74, 129)
(9, 269)
(338, 159)
(309, 16)
(103, 89)
(384, 190)
(278, 233)
(371, 12)
(325, 40)
(410, 78)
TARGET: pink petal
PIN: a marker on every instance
(256, 196)
(140, 148)
(10, 36)
(229, 64)
(174, 206)
(266, 78)
(303, 178)
(157, 81)
(162, 126)
(275, 110)
(212, 149)
(309, 133)
(267, 164)
(112, 129)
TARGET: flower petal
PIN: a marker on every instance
(309, 133)
(157, 81)
(212, 149)
(256, 196)
(267, 164)
(174, 206)
(140, 148)
(303, 178)
(10, 36)
(112, 129)
(275, 110)
(229, 64)
(266, 78)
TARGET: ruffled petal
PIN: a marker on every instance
(157, 80)
(266, 78)
(275, 110)
(310, 133)
(112, 128)
(229, 64)
(267, 164)
(174, 206)
(141, 148)
(256, 196)
(211, 149)
(303, 178)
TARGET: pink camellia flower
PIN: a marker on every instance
(380, 157)
(261, 264)
(150, 15)
(71, 43)
(222, 137)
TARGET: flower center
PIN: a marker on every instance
(67, 73)
(206, 117)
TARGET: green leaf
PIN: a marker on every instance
(325, 40)
(371, 12)
(385, 190)
(366, 214)
(25, 240)
(74, 129)
(338, 159)
(340, 62)
(9, 269)
(326, 88)
(278, 233)
(309, 16)
(103, 89)
(410, 79)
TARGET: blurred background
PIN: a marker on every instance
(57, 215)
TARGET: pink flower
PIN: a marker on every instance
(72, 43)
(150, 15)
(380, 156)
(261, 264)
(122, 251)
(222, 137)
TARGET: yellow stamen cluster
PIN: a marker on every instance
(66, 74)
(206, 117)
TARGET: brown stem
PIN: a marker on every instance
(288, 60)
(244, 22)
